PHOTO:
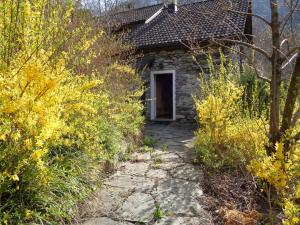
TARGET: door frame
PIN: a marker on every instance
(153, 93)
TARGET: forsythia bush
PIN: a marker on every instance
(56, 125)
(230, 136)
(282, 172)
(226, 136)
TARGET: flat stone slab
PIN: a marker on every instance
(167, 165)
(170, 157)
(141, 157)
(137, 169)
(179, 197)
(157, 174)
(131, 183)
(158, 152)
(204, 220)
(106, 201)
(139, 207)
(105, 221)
(188, 172)
(187, 155)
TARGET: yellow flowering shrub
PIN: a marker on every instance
(226, 136)
(58, 120)
(229, 136)
(282, 172)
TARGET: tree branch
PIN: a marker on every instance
(287, 17)
(254, 47)
(251, 14)
(245, 55)
(292, 51)
(292, 95)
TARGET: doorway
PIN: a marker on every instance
(163, 95)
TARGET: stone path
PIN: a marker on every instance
(161, 181)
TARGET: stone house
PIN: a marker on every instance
(165, 33)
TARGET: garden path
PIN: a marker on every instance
(160, 183)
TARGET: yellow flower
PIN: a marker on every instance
(28, 143)
(3, 137)
(15, 177)
(279, 151)
(295, 220)
(28, 214)
(39, 143)
(37, 155)
(8, 109)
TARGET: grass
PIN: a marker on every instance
(157, 161)
(149, 141)
(165, 148)
(158, 213)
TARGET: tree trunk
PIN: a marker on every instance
(293, 93)
(274, 134)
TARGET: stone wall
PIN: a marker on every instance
(187, 74)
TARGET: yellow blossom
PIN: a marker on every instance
(38, 154)
(15, 177)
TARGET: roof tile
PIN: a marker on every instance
(192, 22)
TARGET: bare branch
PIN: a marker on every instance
(285, 41)
(252, 14)
(292, 51)
(288, 16)
(245, 55)
(254, 47)
(289, 61)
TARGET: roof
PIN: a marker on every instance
(135, 15)
(192, 22)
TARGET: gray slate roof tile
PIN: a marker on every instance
(192, 22)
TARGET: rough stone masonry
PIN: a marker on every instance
(188, 70)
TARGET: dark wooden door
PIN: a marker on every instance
(164, 96)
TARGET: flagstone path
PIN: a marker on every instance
(163, 180)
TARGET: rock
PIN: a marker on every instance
(157, 174)
(137, 169)
(106, 201)
(185, 221)
(139, 207)
(179, 197)
(167, 165)
(158, 152)
(170, 157)
(131, 183)
(187, 155)
(187, 172)
(105, 221)
(141, 157)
